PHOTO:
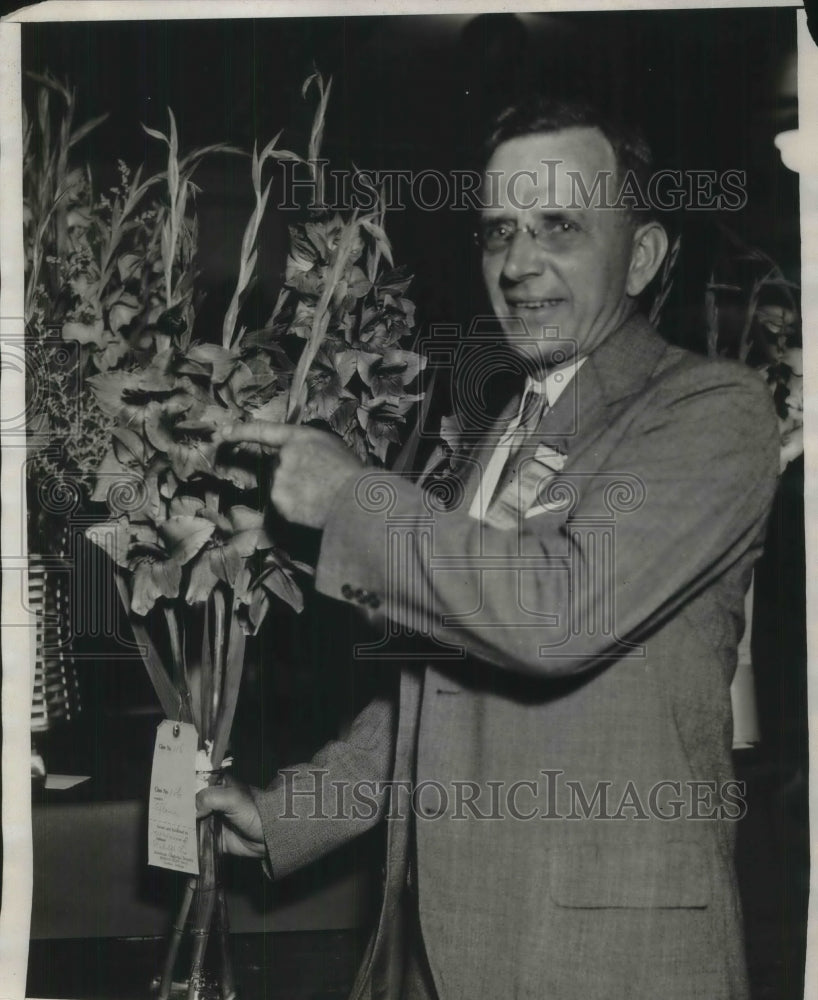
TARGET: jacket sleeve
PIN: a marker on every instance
(311, 808)
(695, 460)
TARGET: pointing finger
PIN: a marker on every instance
(262, 432)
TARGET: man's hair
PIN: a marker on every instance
(540, 114)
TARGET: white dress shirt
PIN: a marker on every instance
(552, 387)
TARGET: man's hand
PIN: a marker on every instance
(312, 466)
(242, 834)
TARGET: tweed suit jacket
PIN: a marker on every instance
(578, 670)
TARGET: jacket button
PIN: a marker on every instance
(374, 601)
(347, 591)
(361, 595)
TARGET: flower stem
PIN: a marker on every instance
(176, 940)
(162, 683)
(228, 986)
(320, 322)
(205, 900)
(218, 659)
(177, 653)
(230, 694)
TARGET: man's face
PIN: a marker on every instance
(560, 297)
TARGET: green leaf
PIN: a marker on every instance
(267, 151)
(83, 130)
(174, 137)
(154, 133)
(48, 80)
(286, 154)
(381, 240)
(305, 86)
(279, 582)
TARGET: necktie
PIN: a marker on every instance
(524, 473)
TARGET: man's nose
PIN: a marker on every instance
(524, 256)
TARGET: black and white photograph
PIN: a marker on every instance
(403, 501)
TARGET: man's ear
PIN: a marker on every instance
(648, 250)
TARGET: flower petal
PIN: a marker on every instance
(85, 333)
(152, 580)
(202, 579)
(185, 535)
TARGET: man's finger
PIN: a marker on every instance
(262, 432)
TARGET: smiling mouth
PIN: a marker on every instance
(533, 304)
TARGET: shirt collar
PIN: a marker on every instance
(555, 382)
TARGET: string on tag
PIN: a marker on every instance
(204, 765)
(177, 726)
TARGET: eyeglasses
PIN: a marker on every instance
(494, 236)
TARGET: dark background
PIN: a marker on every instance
(710, 88)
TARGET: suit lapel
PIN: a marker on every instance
(617, 369)
(626, 359)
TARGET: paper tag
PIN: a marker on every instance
(172, 809)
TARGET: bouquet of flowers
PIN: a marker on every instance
(197, 565)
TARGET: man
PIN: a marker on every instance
(593, 578)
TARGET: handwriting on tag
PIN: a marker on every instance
(172, 806)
